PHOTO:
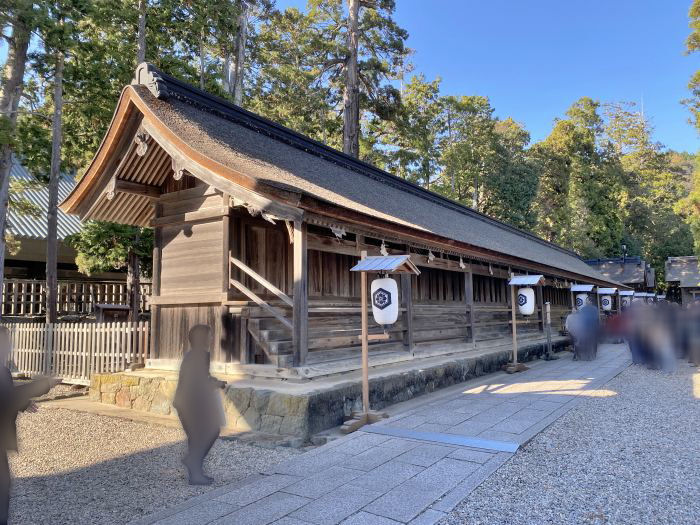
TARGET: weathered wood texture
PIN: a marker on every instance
(76, 351)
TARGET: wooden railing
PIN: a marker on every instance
(24, 297)
(76, 351)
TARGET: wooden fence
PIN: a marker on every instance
(25, 297)
(75, 351)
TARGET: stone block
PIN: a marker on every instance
(109, 387)
(95, 394)
(260, 399)
(252, 418)
(109, 397)
(294, 426)
(237, 399)
(142, 403)
(123, 398)
(287, 405)
(161, 404)
(270, 424)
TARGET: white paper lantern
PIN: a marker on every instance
(385, 301)
(606, 303)
(581, 300)
(526, 301)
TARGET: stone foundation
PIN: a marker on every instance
(281, 410)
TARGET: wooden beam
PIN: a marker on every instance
(300, 337)
(135, 188)
(540, 308)
(407, 300)
(260, 302)
(206, 214)
(514, 325)
(264, 282)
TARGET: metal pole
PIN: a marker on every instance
(365, 349)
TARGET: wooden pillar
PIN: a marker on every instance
(365, 342)
(469, 301)
(225, 339)
(515, 326)
(407, 300)
(300, 320)
(540, 306)
(155, 286)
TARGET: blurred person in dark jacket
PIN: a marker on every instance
(13, 399)
(198, 403)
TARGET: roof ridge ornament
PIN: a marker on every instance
(148, 75)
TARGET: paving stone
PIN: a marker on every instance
(470, 428)
(431, 427)
(203, 513)
(513, 425)
(323, 482)
(425, 455)
(337, 505)
(252, 492)
(408, 500)
(387, 476)
(469, 454)
(429, 517)
(406, 422)
(361, 443)
(365, 518)
(442, 416)
(373, 457)
(497, 435)
(545, 406)
(306, 466)
(290, 521)
(400, 444)
(450, 500)
(264, 511)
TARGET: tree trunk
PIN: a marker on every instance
(201, 60)
(141, 41)
(241, 39)
(133, 284)
(228, 73)
(10, 94)
(351, 94)
(54, 177)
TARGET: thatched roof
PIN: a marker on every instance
(683, 270)
(280, 164)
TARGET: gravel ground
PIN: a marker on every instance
(632, 458)
(77, 467)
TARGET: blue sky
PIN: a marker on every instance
(533, 58)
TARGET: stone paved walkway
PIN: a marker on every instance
(414, 467)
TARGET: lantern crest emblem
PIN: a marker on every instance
(381, 298)
(522, 299)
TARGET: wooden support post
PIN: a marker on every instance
(300, 312)
(407, 299)
(469, 300)
(155, 286)
(515, 326)
(540, 307)
(365, 344)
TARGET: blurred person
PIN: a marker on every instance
(661, 339)
(198, 403)
(13, 399)
(572, 327)
(693, 321)
(589, 332)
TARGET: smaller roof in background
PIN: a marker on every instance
(627, 270)
(388, 264)
(30, 227)
(683, 270)
(526, 280)
(582, 287)
(607, 291)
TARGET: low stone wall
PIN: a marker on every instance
(302, 415)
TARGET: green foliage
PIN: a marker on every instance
(105, 247)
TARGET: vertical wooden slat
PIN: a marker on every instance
(407, 300)
(469, 301)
